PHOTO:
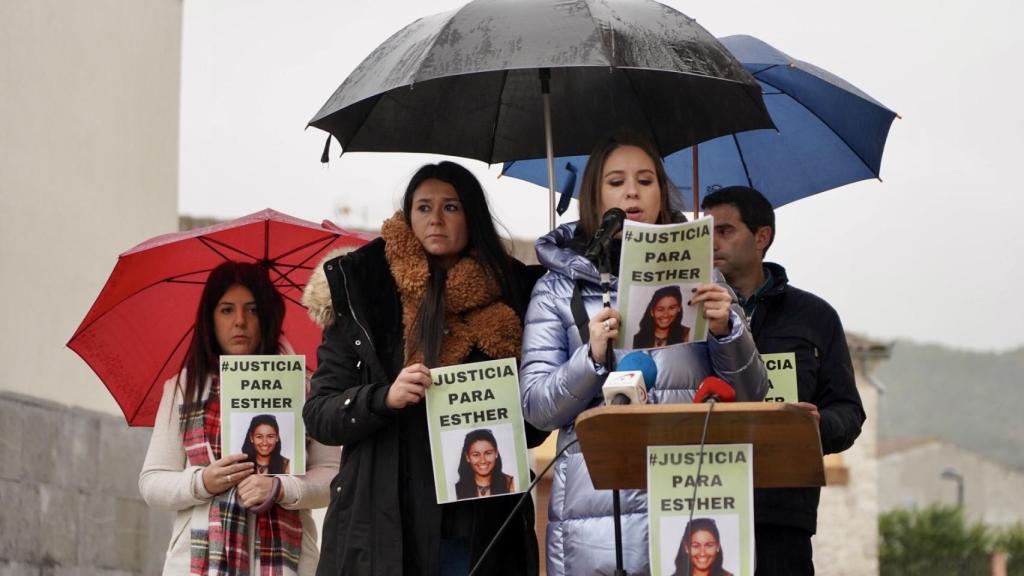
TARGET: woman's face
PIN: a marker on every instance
(481, 456)
(236, 323)
(264, 438)
(630, 182)
(438, 221)
(665, 311)
(703, 550)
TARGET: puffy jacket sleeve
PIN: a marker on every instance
(345, 405)
(734, 358)
(556, 382)
(166, 482)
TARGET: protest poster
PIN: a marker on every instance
(477, 436)
(701, 520)
(781, 377)
(659, 268)
(261, 399)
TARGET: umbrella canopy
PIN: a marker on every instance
(469, 82)
(137, 332)
(830, 133)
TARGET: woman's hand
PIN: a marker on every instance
(224, 473)
(409, 387)
(256, 490)
(717, 303)
(604, 325)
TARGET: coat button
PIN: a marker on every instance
(338, 489)
(330, 267)
(348, 401)
(353, 420)
(359, 342)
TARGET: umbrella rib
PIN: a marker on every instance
(827, 125)
(497, 114)
(650, 125)
(743, 160)
(208, 242)
(160, 371)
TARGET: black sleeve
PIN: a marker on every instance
(344, 406)
(837, 399)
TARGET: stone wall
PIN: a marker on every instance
(69, 497)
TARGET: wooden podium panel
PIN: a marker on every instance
(787, 447)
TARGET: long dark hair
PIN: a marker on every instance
(466, 485)
(590, 186)
(683, 556)
(647, 325)
(204, 350)
(483, 244)
(276, 460)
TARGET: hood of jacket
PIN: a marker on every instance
(555, 254)
(316, 297)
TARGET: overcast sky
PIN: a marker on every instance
(933, 253)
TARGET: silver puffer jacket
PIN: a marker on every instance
(558, 382)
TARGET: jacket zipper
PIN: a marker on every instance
(348, 300)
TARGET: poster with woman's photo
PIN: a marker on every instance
(477, 436)
(261, 400)
(659, 268)
(701, 513)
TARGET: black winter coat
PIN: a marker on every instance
(373, 527)
(787, 319)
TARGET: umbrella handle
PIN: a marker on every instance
(545, 90)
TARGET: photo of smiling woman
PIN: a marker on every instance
(263, 445)
(662, 321)
(700, 550)
(480, 471)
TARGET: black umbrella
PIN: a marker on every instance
(469, 82)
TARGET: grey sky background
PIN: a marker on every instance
(933, 253)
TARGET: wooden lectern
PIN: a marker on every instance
(787, 447)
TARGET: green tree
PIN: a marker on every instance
(934, 541)
(1011, 541)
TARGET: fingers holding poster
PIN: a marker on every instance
(660, 266)
(477, 436)
(481, 461)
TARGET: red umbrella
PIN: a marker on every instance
(137, 332)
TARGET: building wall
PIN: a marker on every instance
(88, 168)
(847, 540)
(913, 478)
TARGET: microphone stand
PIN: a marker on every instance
(604, 267)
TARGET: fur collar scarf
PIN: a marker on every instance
(475, 315)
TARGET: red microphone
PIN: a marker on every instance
(714, 388)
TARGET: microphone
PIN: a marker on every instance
(611, 223)
(715, 389)
(630, 383)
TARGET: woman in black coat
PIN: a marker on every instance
(437, 289)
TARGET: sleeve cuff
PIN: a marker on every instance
(198, 487)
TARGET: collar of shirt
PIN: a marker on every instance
(749, 304)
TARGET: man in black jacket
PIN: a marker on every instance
(784, 319)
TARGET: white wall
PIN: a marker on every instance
(88, 168)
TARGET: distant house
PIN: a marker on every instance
(911, 475)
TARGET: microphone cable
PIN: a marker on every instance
(700, 464)
(522, 499)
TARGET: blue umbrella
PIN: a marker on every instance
(830, 133)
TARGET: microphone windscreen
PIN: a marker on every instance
(713, 386)
(642, 362)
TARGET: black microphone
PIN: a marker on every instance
(611, 223)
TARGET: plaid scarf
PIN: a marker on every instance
(222, 548)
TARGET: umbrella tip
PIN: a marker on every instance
(326, 156)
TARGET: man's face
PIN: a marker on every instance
(737, 249)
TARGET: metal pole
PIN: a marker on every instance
(545, 90)
(696, 183)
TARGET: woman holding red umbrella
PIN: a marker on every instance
(216, 495)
